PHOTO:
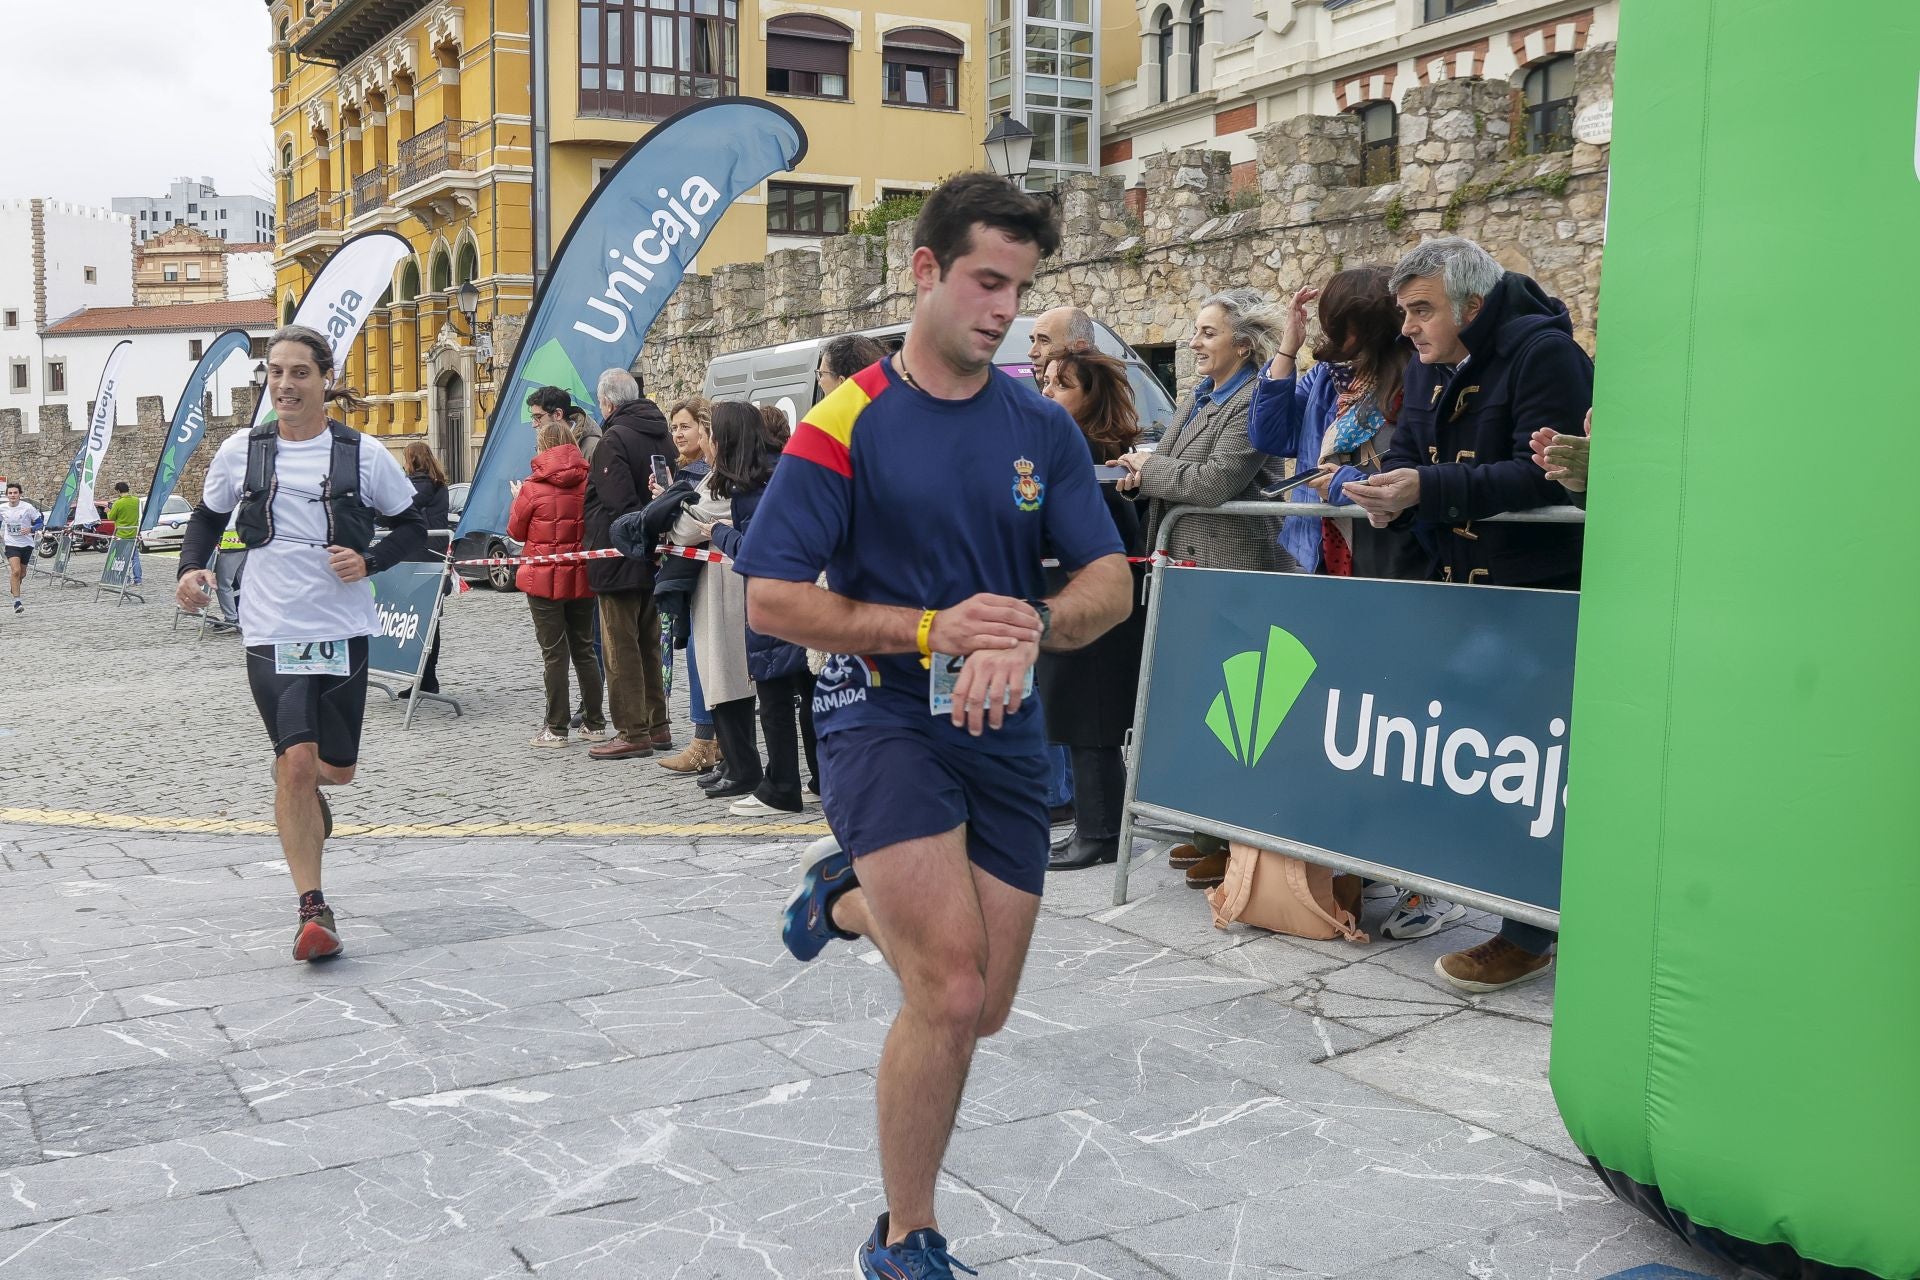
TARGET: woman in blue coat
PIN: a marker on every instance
(1339, 416)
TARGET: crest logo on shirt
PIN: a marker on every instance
(1028, 491)
(845, 679)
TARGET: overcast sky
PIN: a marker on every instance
(104, 98)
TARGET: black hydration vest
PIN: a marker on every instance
(350, 522)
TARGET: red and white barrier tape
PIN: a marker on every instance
(707, 556)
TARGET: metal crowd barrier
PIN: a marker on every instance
(1135, 812)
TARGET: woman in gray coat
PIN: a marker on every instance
(1205, 459)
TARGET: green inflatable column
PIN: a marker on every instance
(1737, 1032)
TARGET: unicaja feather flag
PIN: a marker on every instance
(345, 292)
(189, 423)
(619, 264)
(76, 492)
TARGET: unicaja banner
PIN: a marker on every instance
(618, 265)
(189, 423)
(345, 292)
(76, 492)
(1295, 706)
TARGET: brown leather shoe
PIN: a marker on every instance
(619, 749)
(1182, 856)
(1491, 966)
(1207, 872)
(697, 756)
(661, 738)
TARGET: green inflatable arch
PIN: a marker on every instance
(1737, 1040)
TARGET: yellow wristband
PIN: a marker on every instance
(920, 638)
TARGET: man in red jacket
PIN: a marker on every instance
(635, 432)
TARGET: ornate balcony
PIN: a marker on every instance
(436, 179)
(370, 191)
(432, 151)
(311, 228)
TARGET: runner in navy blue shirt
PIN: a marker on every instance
(928, 488)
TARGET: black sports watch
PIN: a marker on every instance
(1046, 617)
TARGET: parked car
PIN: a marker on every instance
(170, 530)
(783, 375)
(482, 546)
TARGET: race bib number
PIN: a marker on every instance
(946, 674)
(310, 658)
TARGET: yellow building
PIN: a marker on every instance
(411, 115)
(889, 95)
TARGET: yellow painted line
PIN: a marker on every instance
(174, 824)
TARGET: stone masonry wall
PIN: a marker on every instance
(39, 460)
(1143, 264)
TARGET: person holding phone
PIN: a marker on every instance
(548, 517)
(1337, 419)
(687, 421)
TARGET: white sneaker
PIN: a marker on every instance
(754, 807)
(1416, 915)
(548, 738)
(592, 735)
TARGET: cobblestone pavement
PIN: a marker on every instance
(113, 710)
(586, 1055)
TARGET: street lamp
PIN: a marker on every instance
(259, 376)
(468, 301)
(1009, 147)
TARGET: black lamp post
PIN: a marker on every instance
(1009, 147)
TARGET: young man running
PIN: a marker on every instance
(19, 521)
(929, 487)
(306, 490)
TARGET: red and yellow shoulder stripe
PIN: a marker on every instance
(825, 435)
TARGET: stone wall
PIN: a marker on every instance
(39, 460)
(1142, 260)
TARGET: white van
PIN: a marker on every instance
(783, 375)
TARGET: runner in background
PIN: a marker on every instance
(304, 492)
(19, 520)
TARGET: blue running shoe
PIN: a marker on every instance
(826, 872)
(921, 1256)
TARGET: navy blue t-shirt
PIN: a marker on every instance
(905, 499)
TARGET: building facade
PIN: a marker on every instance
(891, 97)
(168, 341)
(55, 259)
(1211, 73)
(413, 117)
(247, 219)
(181, 264)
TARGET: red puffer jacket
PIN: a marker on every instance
(547, 517)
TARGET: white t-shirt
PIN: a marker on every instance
(290, 592)
(16, 522)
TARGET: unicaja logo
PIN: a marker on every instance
(1261, 689)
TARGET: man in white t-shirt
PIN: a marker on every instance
(304, 507)
(19, 520)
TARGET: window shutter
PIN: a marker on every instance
(804, 53)
(923, 46)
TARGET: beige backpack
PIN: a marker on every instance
(1286, 895)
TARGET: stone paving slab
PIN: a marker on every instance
(509, 1077)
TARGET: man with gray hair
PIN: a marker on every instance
(1497, 363)
(634, 433)
(1061, 329)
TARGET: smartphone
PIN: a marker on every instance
(662, 473)
(1287, 486)
(1109, 474)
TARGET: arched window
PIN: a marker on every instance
(1549, 92)
(922, 67)
(1163, 49)
(409, 281)
(807, 55)
(287, 309)
(286, 177)
(1379, 142)
(442, 278)
(466, 265)
(1196, 36)
(286, 53)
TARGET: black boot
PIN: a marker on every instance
(1085, 853)
(1099, 791)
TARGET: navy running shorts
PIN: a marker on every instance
(23, 554)
(323, 710)
(881, 785)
